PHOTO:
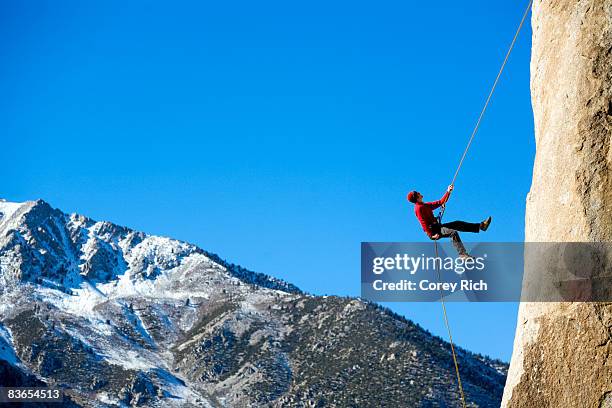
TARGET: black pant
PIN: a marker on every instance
(449, 229)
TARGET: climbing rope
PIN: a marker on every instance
(467, 148)
(488, 100)
(486, 105)
(450, 335)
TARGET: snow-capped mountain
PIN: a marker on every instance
(120, 318)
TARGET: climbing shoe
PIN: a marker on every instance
(485, 224)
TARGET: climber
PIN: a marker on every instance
(435, 230)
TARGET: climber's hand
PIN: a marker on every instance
(450, 188)
(435, 237)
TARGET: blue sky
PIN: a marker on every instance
(277, 134)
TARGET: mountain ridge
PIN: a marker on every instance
(124, 318)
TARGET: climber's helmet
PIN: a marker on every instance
(413, 196)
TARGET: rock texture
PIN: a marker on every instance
(562, 351)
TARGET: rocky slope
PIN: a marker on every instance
(562, 351)
(120, 318)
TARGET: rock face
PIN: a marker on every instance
(562, 351)
(116, 317)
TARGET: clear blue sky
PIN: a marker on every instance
(277, 134)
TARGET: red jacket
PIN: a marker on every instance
(424, 212)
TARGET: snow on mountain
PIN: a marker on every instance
(6, 348)
(127, 319)
(7, 209)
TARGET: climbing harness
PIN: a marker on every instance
(441, 214)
